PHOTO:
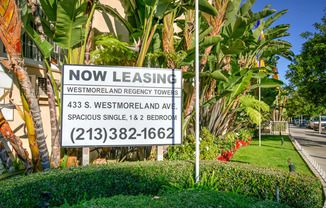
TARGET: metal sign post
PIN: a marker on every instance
(259, 115)
(197, 88)
(85, 157)
(159, 155)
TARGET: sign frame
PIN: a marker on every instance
(178, 124)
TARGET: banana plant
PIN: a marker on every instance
(144, 17)
(234, 57)
(67, 24)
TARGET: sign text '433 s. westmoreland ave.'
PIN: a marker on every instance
(120, 106)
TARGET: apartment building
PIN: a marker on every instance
(36, 70)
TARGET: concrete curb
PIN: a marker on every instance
(312, 168)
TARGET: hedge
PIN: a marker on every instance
(148, 178)
(182, 198)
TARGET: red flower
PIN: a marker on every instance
(226, 156)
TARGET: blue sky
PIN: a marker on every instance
(301, 17)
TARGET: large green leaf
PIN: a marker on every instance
(234, 66)
(232, 10)
(149, 2)
(234, 79)
(217, 75)
(48, 30)
(268, 70)
(216, 98)
(276, 32)
(211, 40)
(246, 7)
(70, 21)
(164, 7)
(239, 88)
(50, 9)
(270, 20)
(206, 7)
(45, 47)
(239, 27)
(134, 12)
(115, 14)
(261, 15)
(235, 47)
(25, 11)
(267, 83)
(188, 75)
(272, 50)
(288, 54)
(202, 35)
(260, 75)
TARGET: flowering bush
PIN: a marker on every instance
(237, 140)
(209, 148)
(245, 134)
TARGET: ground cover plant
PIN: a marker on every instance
(272, 154)
(150, 178)
(184, 198)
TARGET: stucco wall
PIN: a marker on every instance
(18, 125)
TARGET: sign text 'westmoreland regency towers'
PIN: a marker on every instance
(120, 106)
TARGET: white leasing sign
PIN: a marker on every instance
(120, 106)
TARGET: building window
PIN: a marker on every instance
(40, 85)
(29, 49)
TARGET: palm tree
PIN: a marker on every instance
(10, 29)
(15, 142)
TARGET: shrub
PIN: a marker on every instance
(188, 198)
(245, 134)
(209, 149)
(148, 178)
(228, 142)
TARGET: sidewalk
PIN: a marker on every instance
(312, 148)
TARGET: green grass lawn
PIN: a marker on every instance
(271, 154)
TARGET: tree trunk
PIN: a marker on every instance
(5, 159)
(15, 142)
(32, 141)
(10, 30)
(55, 136)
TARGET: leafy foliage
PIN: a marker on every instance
(209, 148)
(308, 71)
(110, 51)
(180, 198)
(149, 178)
(251, 107)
